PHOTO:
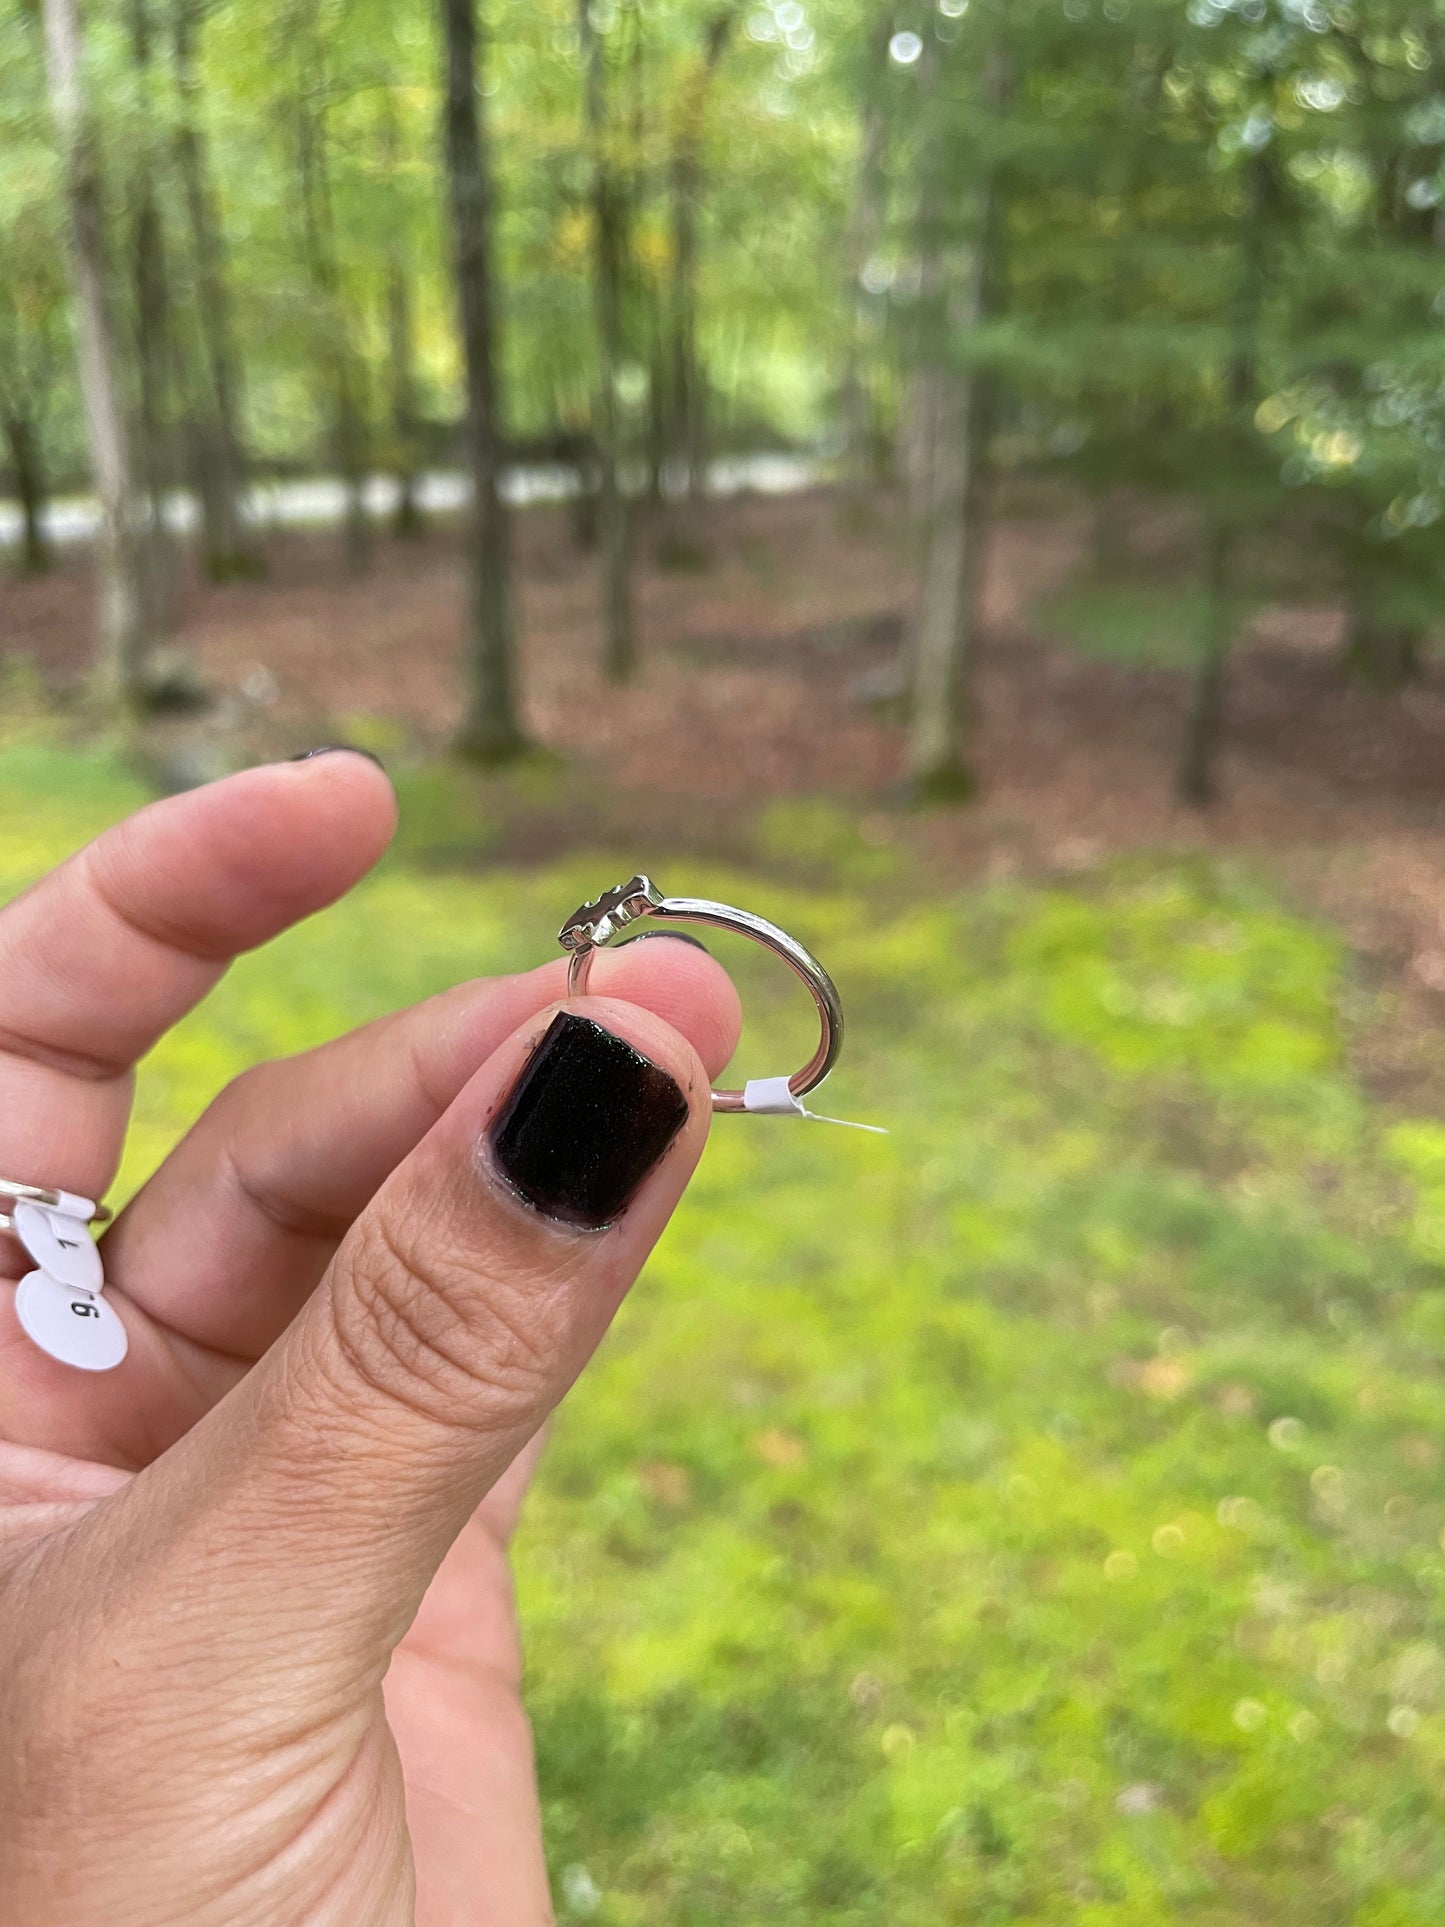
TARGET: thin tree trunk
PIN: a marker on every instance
(351, 460)
(29, 475)
(866, 230)
(221, 459)
(955, 529)
(152, 356)
(123, 630)
(658, 431)
(153, 352)
(1204, 723)
(407, 521)
(490, 730)
(348, 430)
(689, 398)
(925, 402)
(613, 518)
(1382, 652)
(401, 377)
(686, 434)
(943, 643)
(655, 428)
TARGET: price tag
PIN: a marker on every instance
(77, 1327)
(773, 1097)
(60, 1245)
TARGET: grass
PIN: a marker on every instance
(1033, 1516)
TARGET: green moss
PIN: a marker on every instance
(1029, 1517)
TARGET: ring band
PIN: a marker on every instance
(54, 1200)
(595, 926)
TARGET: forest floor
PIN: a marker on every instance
(766, 674)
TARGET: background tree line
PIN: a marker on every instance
(1172, 252)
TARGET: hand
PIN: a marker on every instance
(256, 1643)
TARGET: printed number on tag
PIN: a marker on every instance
(62, 1247)
(70, 1324)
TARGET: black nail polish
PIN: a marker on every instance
(672, 936)
(331, 749)
(584, 1123)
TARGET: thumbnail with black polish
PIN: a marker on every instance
(585, 1123)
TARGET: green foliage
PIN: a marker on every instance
(1032, 1516)
(1217, 248)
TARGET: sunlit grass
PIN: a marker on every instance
(1032, 1516)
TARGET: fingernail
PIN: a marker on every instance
(584, 1123)
(672, 936)
(333, 749)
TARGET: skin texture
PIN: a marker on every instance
(256, 1630)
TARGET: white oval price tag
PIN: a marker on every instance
(73, 1326)
(61, 1246)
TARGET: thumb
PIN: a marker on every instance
(321, 1495)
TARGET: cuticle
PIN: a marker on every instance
(487, 1168)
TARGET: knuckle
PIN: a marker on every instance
(428, 1326)
(242, 1095)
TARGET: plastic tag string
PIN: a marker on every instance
(773, 1097)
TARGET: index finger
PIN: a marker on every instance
(102, 956)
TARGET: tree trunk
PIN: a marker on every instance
(860, 440)
(613, 518)
(658, 433)
(1198, 783)
(688, 410)
(123, 630)
(28, 471)
(151, 357)
(338, 360)
(1381, 652)
(955, 525)
(943, 643)
(920, 438)
(490, 730)
(152, 343)
(351, 451)
(685, 453)
(407, 521)
(653, 324)
(219, 458)
(1204, 725)
(401, 376)
(924, 403)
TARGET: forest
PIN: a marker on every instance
(962, 479)
(1139, 252)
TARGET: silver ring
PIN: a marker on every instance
(595, 925)
(37, 1194)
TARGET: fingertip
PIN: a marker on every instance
(222, 868)
(347, 787)
(317, 824)
(682, 984)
